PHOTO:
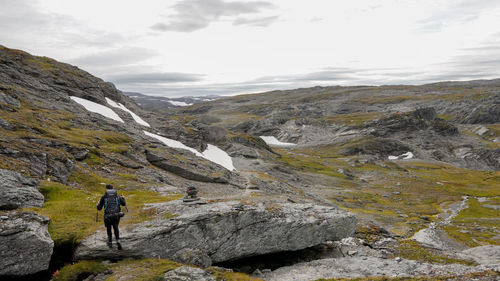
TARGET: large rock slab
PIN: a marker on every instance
(225, 231)
(359, 267)
(18, 191)
(25, 244)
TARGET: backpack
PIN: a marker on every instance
(111, 203)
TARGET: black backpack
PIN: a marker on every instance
(111, 202)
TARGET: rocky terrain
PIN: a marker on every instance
(374, 181)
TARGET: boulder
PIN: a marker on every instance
(25, 244)
(5, 124)
(225, 231)
(187, 273)
(9, 100)
(17, 191)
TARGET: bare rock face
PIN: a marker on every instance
(18, 191)
(226, 231)
(25, 244)
(359, 267)
(188, 168)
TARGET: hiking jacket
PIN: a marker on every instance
(111, 192)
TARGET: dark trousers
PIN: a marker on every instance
(112, 222)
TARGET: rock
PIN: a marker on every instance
(9, 100)
(205, 171)
(60, 169)
(223, 232)
(5, 124)
(25, 244)
(489, 254)
(193, 257)
(80, 153)
(17, 191)
(187, 273)
(359, 267)
(484, 114)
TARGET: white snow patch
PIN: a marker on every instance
(97, 108)
(212, 153)
(407, 155)
(271, 140)
(179, 103)
(219, 156)
(122, 107)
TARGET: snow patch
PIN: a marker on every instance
(271, 140)
(122, 107)
(179, 103)
(219, 156)
(97, 108)
(212, 153)
(407, 155)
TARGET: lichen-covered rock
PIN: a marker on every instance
(18, 191)
(226, 231)
(187, 273)
(25, 244)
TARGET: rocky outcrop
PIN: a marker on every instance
(486, 114)
(25, 244)
(226, 231)
(18, 191)
(189, 169)
(359, 267)
(187, 273)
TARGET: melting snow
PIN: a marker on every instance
(97, 108)
(407, 155)
(179, 103)
(122, 107)
(271, 140)
(212, 153)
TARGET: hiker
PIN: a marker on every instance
(112, 213)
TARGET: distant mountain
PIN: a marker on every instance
(155, 102)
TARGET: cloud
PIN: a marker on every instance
(160, 78)
(26, 25)
(192, 15)
(457, 12)
(115, 57)
(262, 22)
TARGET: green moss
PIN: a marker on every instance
(141, 270)
(71, 211)
(475, 225)
(79, 271)
(353, 119)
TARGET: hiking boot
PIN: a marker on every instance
(110, 245)
(119, 244)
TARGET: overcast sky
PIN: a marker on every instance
(201, 47)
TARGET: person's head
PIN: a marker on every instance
(109, 186)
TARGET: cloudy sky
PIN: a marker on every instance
(202, 47)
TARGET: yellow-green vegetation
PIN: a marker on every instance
(233, 276)
(141, 270)
(414, 251)
(353, 119)
(71, 211)
(475, 225)
(485, 275)
(79, 271)
(404, 196)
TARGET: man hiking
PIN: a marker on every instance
(111, 203)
